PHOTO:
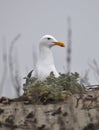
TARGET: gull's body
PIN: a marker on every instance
(45, 64)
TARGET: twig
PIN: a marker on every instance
(4, 57)
(14, 78)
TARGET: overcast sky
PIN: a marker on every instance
(35, 18)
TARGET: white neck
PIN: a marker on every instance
(45, 55)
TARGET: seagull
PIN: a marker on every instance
(45, 63)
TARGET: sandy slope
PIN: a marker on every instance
(60, 116)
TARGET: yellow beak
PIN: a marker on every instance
(59, 44)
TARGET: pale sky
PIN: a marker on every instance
(35, 18)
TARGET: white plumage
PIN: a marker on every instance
(45, 63)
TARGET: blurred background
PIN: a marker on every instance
(23, 23)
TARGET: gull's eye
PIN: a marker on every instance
(49, 38)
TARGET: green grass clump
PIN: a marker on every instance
(53, 89)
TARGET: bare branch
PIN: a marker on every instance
(95, 68)
(14, 79)
(4, 58)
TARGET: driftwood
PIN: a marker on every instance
(87, 101)
(25, 99)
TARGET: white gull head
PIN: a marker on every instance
(45, 64)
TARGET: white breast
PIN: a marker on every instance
(42, 71)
